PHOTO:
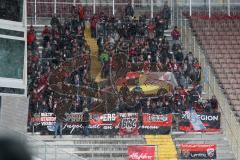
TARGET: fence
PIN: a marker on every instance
(39, 149)
(45, 151)
(40, 11)
(230, 125)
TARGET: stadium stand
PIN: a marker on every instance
(110, 83)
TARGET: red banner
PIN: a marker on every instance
(198, 151)
(141, 152)
(104, 121)
(157, 120)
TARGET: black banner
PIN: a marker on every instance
(198, 151)
(210, 120)
(104, 124)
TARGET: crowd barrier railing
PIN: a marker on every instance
(40, 12)
(39, 149)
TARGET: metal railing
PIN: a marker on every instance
(229, 123)
(41, 11)
(45, 151)
(40, 149)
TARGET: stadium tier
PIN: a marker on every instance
(120, 79)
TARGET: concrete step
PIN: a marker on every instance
(92, 147)
(83, 138)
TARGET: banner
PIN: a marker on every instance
(141, 152)
(198, 151)
(105, 124)
(211, 122)
(156, 124)
(104, 121)
(44, 119)
(129, 124)
(157, 120)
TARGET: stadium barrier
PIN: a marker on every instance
(40, 150)
(41, 11)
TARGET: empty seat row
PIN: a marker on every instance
(224, 61)
(221, 41)
(225, 56)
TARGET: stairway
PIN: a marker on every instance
(95, 63)
(165, 147)
(95, 69)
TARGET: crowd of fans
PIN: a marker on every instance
(139, 39)
(143, 42)
(62, 43)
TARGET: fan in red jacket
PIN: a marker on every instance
(151, 30)
(175, 33)
(81, 13)
(94, 21)
(46, 33)
(31, 36)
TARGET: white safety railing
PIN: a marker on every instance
(41, 11)
(229, 125)
(45, 151)
(40, 149)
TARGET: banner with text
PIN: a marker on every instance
(122, 123)
(129, 124)
(211, 122)
(141, 152)
(198, 151)
(156, 124)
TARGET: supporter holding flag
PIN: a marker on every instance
(193, 97)
(138, 90)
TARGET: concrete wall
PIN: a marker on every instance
(14, 112)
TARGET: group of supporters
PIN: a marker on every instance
(139, 40)
(61, 43)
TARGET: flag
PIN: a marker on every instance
(195, 120)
